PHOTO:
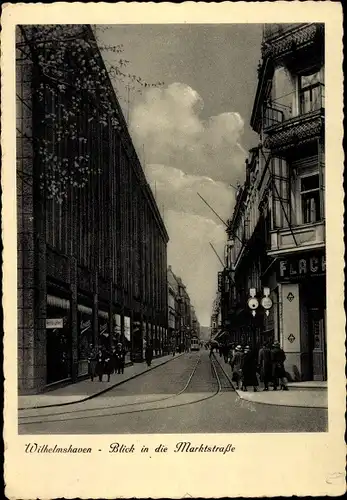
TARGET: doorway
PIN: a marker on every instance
(318, 343)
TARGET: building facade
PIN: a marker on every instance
(173, 311)
(277, 232)
(183, 322)
(216, 316)
(91, 264)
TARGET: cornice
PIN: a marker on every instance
(290, 40)
(295, 132)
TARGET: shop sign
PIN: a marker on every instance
(301, 267)
(54, 323)
(220, 282)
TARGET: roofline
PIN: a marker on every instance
(126, 135)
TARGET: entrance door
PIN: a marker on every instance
(58, 344)
(317, 335)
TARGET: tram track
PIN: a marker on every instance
(217, 372)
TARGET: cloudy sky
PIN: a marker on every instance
(192, 133)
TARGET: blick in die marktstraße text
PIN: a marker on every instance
(180, 447)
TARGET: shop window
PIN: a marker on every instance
(311, 92)
(310, 199)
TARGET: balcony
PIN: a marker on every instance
(280, 40)
(294, 118)
(293, 105)
(307, 236)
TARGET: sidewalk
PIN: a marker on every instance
(86, 389)
(300, 394)
(306, 398)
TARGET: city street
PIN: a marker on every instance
(186, 395)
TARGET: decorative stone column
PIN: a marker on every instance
(291, 332)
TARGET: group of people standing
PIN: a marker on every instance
(246, 364)
(103, 361)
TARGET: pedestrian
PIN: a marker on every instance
(120, 357)
(108, 363)
(100, 363)
(278, 358)
(236, 366)
(265, 365)
(211, 349)
(225, 352)
(249, 370)
(92, 361)
(114, 359)
(149, 354)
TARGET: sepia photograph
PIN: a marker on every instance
(172, 223)
(171, 228)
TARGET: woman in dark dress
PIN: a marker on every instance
(100, 363)
(249, 370)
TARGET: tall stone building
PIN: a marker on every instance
(91, 264)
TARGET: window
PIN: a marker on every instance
(310, 198)
(311, 92)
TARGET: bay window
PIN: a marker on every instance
(310, 198)
(311, 91)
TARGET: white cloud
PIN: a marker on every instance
(186, 155)
(192, 258)
(177, 191)
(168, 124)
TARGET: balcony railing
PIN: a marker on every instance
(273, 30)
(293, 104)
(307, 236)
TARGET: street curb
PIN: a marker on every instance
(279, 404)
(103, 391)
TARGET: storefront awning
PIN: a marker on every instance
(219, 335)
(54, 301)
(84, 309)
(103, 314)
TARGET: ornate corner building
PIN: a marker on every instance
(92, 267)
(277, 231)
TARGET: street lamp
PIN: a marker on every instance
(253, 304)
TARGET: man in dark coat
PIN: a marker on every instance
(236, 365)
(92, 361)
(225, 352)
(108, 364)
(265, 365)
(278, 358)
(249, 370)
(120, 358)
(149, 354)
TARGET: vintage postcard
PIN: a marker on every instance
(172, 210)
